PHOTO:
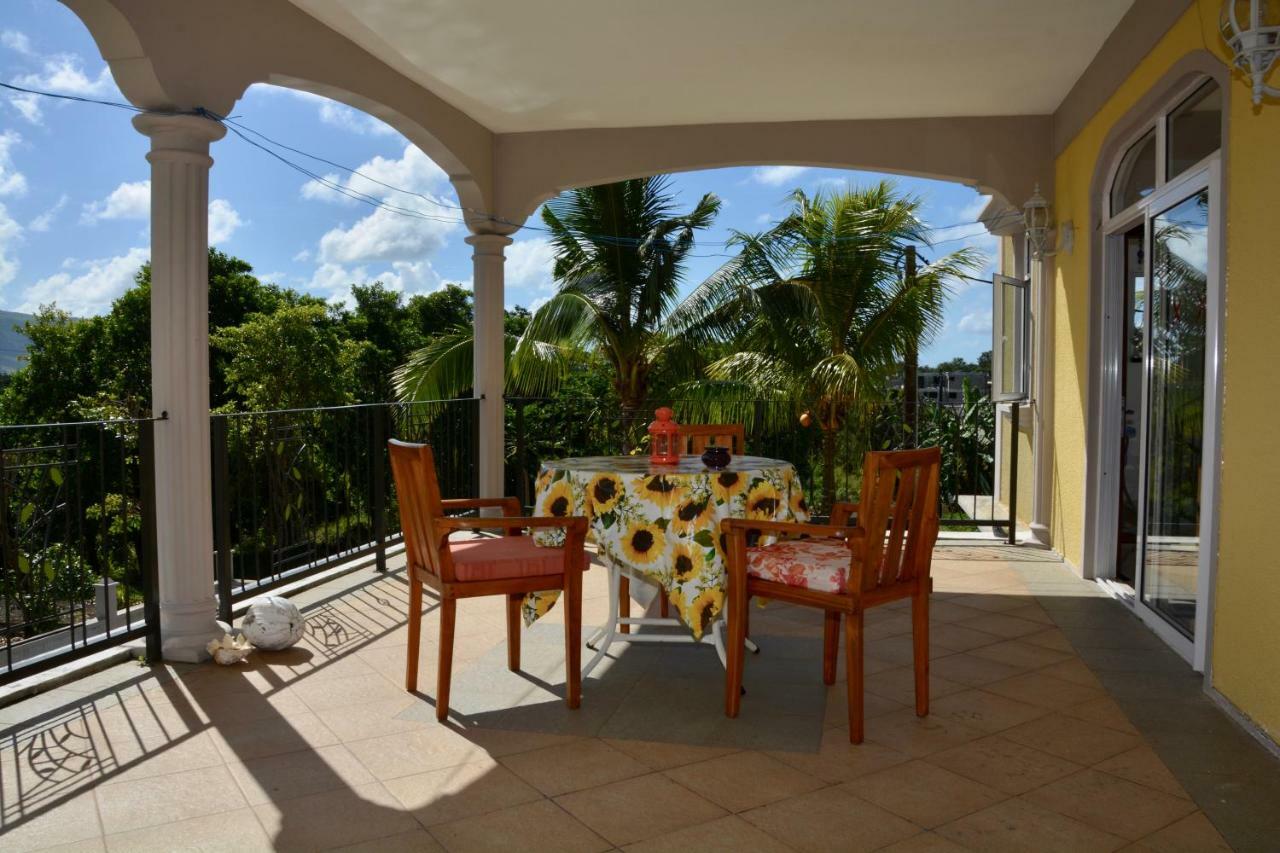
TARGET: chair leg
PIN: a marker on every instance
(448, 619)
(853, 667)
(415, 635)
(514, 601)
(664, 607)
(624, 603)
(830, 645)
(735, 650)
(920, 650)
(573, 638)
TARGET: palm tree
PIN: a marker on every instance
(620, 254)
(819, 309)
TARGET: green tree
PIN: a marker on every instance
(620, 259)
(445, 310)
(819, 309)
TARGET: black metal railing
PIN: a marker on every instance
(300, 490)
(77, 541)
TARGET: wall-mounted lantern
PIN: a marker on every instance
(1036, 221)
(1251, 28)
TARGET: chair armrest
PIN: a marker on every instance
(732, 525)
(510, 505)
(842, 511)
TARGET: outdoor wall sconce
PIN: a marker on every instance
(1255, 44)
(1035, 219)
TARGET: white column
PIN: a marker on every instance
(489, 364)
(1042, 424)
(180, 164)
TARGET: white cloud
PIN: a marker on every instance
(12, 182)
(314, 190)
(85, 288)
(303, 256)
(63, 72)
(17, 42)
(10, 233)
(384, 236)
(45, 220)
(223, 220)
(975, 321)
(528, 269)
(340, 115)
(410, 277)
(27, 106)
(130, 200)
(776, 176)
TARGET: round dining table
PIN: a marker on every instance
(661, 524)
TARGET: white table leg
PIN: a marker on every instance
(604, 637)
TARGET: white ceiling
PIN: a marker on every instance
(517, 65)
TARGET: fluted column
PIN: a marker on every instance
(489, 363)
(180, 164)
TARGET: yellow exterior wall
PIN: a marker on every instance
(1245, 667)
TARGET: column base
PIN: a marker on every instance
(185, 634)
(1040, 533)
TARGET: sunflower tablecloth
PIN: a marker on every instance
(664, 521)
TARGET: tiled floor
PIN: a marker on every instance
(1056, 724)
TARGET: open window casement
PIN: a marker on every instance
(1011, 339)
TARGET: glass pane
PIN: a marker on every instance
(1131, 396)
(1136, 177)
(1175, 414)
(1010, 332)
(1195, 128)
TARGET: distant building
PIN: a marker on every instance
(947, 387)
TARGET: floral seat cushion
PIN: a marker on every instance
(821, 565)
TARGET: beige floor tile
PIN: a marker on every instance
(873, 705)
(334, 818)
(70, 821)
(337, 692)
(984, 710)
(539, 825)
(1072, 739)
(1015, 826)
(1075, 671)
(271, 737)
(640, 808)
(925, 842)
(971, 670)
(374, 719)
(1114, 805)
(413, 841)
(500, 742)
(1143, 766)
(729, 834)
(229, 832)
(573, 766)
(140, 803)
(829, 820)
(1051, 639)
(416, 751)
(1044, 690)
(1104, 711)
(1004, 765)
(923, 793)
(89, 845)
(1021, 653)
(1003, 624)
(919, 736)
(461, 792)
(900, 650)
(837, 760)
(658, 755)
(960, 638)
(298, 774)
(899, 685)
(1193, 834)
(951, 611)
(744, 780)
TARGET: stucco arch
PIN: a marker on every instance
(1004, 156)
(203, 54)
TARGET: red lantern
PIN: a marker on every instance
(664, 439)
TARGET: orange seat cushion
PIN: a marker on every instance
(818, 564)
(502, 558)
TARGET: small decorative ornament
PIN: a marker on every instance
(716, 457)
(273, 623)
(806, 419)
(227, 651)
(664, 438)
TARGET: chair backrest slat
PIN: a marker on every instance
(899, 511)
(414, 470)
(697, 437)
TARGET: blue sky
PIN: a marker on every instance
(74, 196)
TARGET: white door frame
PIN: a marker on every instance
(1204, 176)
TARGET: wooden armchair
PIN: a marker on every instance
(845, 570)
(697, 437)
(511, 565)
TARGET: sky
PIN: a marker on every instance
(74, 197)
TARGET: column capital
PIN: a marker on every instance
(177, 135)
(489, 244)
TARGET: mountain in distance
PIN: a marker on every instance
(13, 344)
